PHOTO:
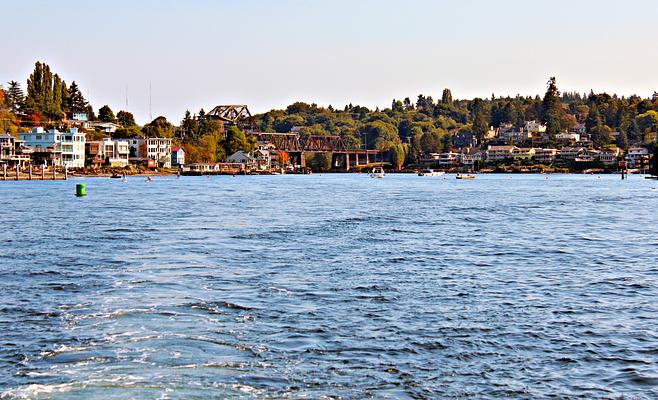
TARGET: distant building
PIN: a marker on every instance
(545, 156)
(448, 159)
(568, 137)
(637, 157)
(177, 156)
(464, 139)
(106, 127)
(470, 159)
(498, 153)
(610, 156)
(62, 148)
(114, 153)
(12, 151)
(79, 117)
(587, 156)
(570, 153)
(523, 153)
(242, 157)
(156, 149)
(534, 127)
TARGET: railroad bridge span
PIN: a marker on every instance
(294, 144)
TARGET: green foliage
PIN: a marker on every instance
(481, 118)
(399, 154)
(236, 140)
(654, 161)
(552, 109)
(319, 161)
(125, 119)
(159, 127)
(105, 114)
(14, 98)
(127, 132)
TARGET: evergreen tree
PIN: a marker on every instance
(15, 98)
(552, 109)
(446, 97)
(593, 122)
(622, 140)
(76, 101)
(480, 119)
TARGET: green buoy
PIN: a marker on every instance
(80, 190)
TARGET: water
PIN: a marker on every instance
(508, 286)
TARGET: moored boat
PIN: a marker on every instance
(465, 176)
(430, 172)
(377, 172)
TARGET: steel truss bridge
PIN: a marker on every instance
(292, 143)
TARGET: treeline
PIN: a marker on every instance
(49, 100)
(407, 129)
(48, 96)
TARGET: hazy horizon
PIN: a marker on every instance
(268, 55)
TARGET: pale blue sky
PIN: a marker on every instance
(268, 54)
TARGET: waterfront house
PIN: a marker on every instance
(610, 156)
(63, 148)
(545, 156)
(177, 156)
(464, 139)
(498, 153)
(157, 150)
(534, 127)
(448, 159)
(567, 137)
(242, 157)
(570, 153)
(587, 156)
(105, 127)
(637, 157)
(114, 153)
(13, 151)
(470, 159)
(522, 153)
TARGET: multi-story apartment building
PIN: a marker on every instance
(156, 149)
(66, 148)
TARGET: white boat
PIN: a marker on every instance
(377, 172)
(465, 176)
(430, 172)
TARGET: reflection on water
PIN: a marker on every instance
(333, 285)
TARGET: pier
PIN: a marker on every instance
(33, 173)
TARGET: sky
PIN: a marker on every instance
(267, 54)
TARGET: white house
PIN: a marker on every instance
(568, 137)
(177, 156)
(448, 159)
(534, 127)
(68, 147)
(158, 149)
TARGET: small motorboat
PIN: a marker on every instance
(377, 172)
(465, 176)
(430, 172)
(115, 176)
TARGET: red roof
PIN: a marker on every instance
(175, 149)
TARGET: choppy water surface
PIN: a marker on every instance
(330, 286)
